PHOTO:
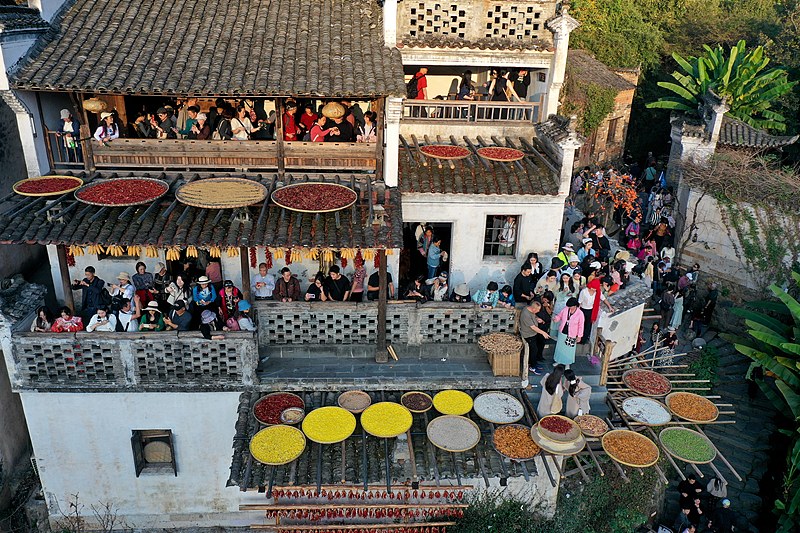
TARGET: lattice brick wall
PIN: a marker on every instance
(52, 360)
(176, 360)
(495, 320)
(514, 20)
(448, 18)
(446, 325)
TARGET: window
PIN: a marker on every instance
(613, 124)
(500, 237)
(153, 451)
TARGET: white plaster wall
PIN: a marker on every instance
(82, 444)
(31, 133)
(13, 46)
(476, 57)
(539, 231)
(623, 329)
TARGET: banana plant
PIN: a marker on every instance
(773, 343)
(740, 76)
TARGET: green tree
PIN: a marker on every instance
(740, 76)
(774, 346)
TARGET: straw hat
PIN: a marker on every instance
(65, 113)
(152, 305)
(203, 279)
(105, 115)
(333, 110)
(124, 275)
(568, 247)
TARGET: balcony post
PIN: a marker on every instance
(279, 138)
(381, 356)
(379, 109)
(390, 23)
(244, 255)
(394, 110)
(561, 26)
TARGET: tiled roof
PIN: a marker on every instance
(207, 47)
(247, 473)
(734, 132)
(476, 175)
(555, 128)
(167, 222)
(588, 69)
(441, 41)
(14, 17)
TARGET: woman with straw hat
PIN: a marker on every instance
(152, 319)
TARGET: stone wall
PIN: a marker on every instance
(598, 149)
(356, 323)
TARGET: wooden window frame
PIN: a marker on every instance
(491, 237)
(613, 126)
(139, 438)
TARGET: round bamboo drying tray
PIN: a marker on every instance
(272, 432)
(460, 423)
(430, 401)
(642, 392)
(697, 397)
(594, 434)
(263, 398)
(164, 185)
(527, 432)
(479, 405)
(221, 193)
(77, 183)
(277, 202)
(515, 154)
(700, 436)
(557, 448)
(358, 397)
(386, 419)
(644, 442)
(463, 152)
(627, 404)
(332, 435)
(573, 435)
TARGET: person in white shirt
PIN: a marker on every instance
(508, 236)
(107, 130)
(102, 321)
(263, 283)
(125, 288)
(129, 314)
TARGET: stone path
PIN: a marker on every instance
(745, 444)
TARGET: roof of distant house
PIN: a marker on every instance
(736, 133)
(583, 65)
(16, 17)
(329, 48)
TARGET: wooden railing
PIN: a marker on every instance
(466, 111)
(214, 155)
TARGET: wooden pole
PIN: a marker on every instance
(63, 269)
(380, 126)
(244, 256)
(86, 133)
(380, 355)
(279, 138)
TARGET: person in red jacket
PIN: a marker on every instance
(290, 129)
(229, 299)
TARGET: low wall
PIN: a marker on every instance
(356, 323)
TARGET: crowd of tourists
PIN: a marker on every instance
(706, 508)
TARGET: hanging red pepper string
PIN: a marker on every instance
(253, 258)
(268, 258)
(344, 262)
(288, 257)
(70, 259)
(359, 259)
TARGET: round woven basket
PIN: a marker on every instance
(643, 441)
(301, 185)
(268, 396)
(457, 423)
(77, 183)
(697, 435)
(221, 193)
(333, 110)
(354, 401)
(404, 396)
(126, 204)
(626, 379)
(670, 397)
(518, 459)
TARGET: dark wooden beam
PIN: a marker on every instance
(66, 283)
(244, 255)
(279, 138)
(381, 356)
(380, 125)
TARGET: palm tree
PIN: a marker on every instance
(741, 77)
(774, 346)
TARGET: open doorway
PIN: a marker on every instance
(412, 262)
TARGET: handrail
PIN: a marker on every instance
(471, 111)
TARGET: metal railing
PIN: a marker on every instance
(472, 111)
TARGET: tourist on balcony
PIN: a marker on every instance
(508, 236)
(435, 256)
(179, 289)
(424, 240)
(210, 326)
(523, 285)
(416, 290)
(108, 130)
(152, 319)
(67, 322)
(417, 89)
(43, 321)
(586, 250)
(578, 395)
(287, 288)
(307, 120)
(318, 131)
(290, 128)
(438, 288)
(92, 292)
(143, 281)
(336, 285)
(564, 292)
(188, 121)
(164, 124)
(354, 114)
(204, 297)
(102, 321)
(550, 401)
(506, 298)
(243, 317)
(368, 132)
(229, 295)
(548, 282)
(357, 285)
(179, 319)
(487, 298)
(214, 272)
(69, 132)
(262, 284)
(520, 81)
(161, 280)
(200, 131)
(461, 294)
(241, 126)
(570, 332)
(466, 89)
(344, 132)
(316, 291)
(373, 286)
(215, 112)
(128, 315)
(533, 326)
